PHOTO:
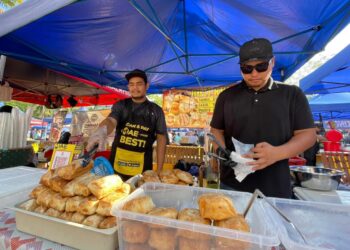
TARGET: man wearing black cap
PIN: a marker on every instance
(138, 123)
(275, 117)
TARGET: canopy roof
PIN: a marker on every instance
(179, 43)
(331, 77)
(331, 106)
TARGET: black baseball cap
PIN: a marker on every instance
(136, 72)
(256, 49)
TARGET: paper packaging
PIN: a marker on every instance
(242, 169)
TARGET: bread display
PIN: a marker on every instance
(40, 209)
(29, 205)
(45, 178)
(142, 204)
(73, 203)
(78, 217)
(74, 170)
(58, 202)
(44, 198)
(135, 232)
(166, 212)
(68, 190)
(168, 176)
(192, 215)
(108, 222)
(57, 183)
(216, 206)
(105, 185)
(66, 216)
(183, 176)
(37, 190)
(88, 206)
(53, 212)
(105, 205)
(190, 244)
(162, 239)
(132, 246)
(93, 220)
(81, 187)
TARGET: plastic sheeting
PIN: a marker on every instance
(331, 77)
(179, 43)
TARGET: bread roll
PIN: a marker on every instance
(37, 190)
(105, 185)
(149, 173)
(236, 223)
(29, 205)
(162, 239)
(166, 212)
(192, 215)
(68, 190)
(53, 212)
(74, 170)
(142, 204)
(134, 232)
(125, 188)
(216, 206)
(58, 202)
(66, 216)
(149, 178)
(168, 176)
(105, 205)
(88, 206)
(81, 187)
(40, 209)
(78, 217)
(93, 220)
(190, 244)
(73, 203)
(183, 176)
(108, 222)
(57, 183)
(44, 198)
(45, 178)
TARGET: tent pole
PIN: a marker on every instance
(185, 34)
(2, 66)
(160, 64)
(214, 63)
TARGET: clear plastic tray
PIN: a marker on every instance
(263, 235)
(324, 225)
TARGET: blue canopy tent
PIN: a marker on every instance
(180, 43)
(331, 77)
(331, 106)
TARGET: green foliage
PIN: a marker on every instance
(10, 3)
(156, 98)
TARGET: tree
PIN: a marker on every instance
(10, 3)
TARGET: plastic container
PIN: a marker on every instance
(324, 225)
(262, 236)
(331, 146)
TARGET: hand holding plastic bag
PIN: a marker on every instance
(242, 169)
(98, 137)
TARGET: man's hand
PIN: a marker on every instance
(98, 137)
(265, 155)
(228, 163)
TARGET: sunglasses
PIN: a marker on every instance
(260, 67)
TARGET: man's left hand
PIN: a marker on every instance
(265, 155)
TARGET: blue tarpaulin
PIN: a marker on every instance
(331, 77)
(180, 43)
(331, 106)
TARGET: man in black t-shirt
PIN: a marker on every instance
(138, 123)
(275, 117)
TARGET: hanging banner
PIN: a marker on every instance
(189, 108)
(57, 125)
(86, 122)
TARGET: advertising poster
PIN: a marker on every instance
(189, 108)
(57, 125)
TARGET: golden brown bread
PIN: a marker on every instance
(142, 204)
(88, 206)
(236, 223)
(45, 197)
(81, 187)
(168, 176)
(74, 169)
(149, 178)
(37, 190)
(162, 239)
(105, 185)
(134, 232)
(192, 215)
(149, 173)
(29, 205)
(216, 206)
(73, 203)
(45, 178)
(93, 220)
(131, 246)
(66, 216)
(190, 244)
(40, 209)
(68, 190)
(57, 183)
(58, 202)
(167, 212)
(126, 188)
(108, 222)
(105, 205)
(183, 176)
(78, 217)
(53, 212)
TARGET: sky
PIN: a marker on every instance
(334, 46)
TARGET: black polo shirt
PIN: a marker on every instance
(269, 115)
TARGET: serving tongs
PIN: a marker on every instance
(258, 193)
(88, 156)
(222, 148)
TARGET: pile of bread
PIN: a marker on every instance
(74, 194)
(214, 209)
(173, 176)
